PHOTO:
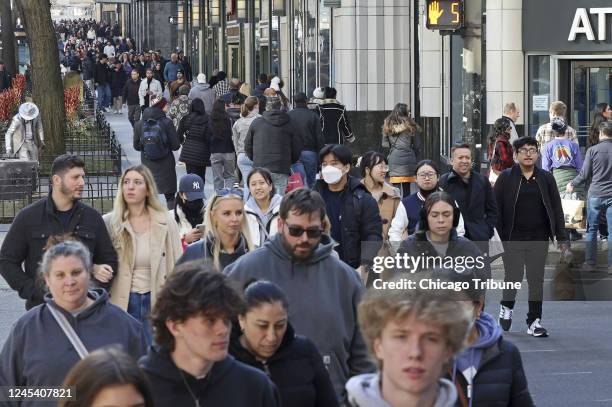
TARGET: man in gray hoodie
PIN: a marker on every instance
(323, 291)
(202, 90)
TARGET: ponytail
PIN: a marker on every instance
(248, 105)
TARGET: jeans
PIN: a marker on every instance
(595, 205)
(520, 258)
(224, 169)
(139, 306)
(310, 161)
(118, 103)
(104, 95)
(245, 165)
(280, 182)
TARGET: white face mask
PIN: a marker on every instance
(331, 174)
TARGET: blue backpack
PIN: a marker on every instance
(154, 140)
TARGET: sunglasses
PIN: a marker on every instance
(229, 191)
(298, 231)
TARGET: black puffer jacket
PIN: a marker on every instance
(308, 126)
(195, 130)
(273, 142)
(361, 223)
(164, 170)
(500, 380)
(29, 233)
(296, 368)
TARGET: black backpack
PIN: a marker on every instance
(154, 140)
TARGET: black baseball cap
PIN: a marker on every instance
(193, 186)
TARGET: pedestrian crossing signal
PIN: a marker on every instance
(446, 15)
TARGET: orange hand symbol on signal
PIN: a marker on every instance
(434, 12)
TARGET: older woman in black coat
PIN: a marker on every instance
(267, 341)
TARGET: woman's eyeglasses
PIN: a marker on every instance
(298, 231)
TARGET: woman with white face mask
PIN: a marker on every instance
(353, 213)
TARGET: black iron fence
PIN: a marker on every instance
(92, 139)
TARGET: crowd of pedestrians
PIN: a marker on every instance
(263, 293)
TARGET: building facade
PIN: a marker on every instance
(377, 53)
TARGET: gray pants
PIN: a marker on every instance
(280, 182)
(224, 169)
(27, 152)
(133, 113)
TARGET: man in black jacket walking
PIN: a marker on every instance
(59, 213)
(530, 214)
(308, 125)
(273, 143)
(102, 79)
(131, 97)
(473, 194)
(355, 219)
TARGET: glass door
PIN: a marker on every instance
(591, 85)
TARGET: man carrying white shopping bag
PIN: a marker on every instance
(598, 167)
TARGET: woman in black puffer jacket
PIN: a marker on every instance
(194, 131)
(265, 340)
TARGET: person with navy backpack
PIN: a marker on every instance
(155, 137)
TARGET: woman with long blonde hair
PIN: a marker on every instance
(227, 234)
(147, 241)
(402, 135)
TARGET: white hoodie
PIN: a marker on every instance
(364, 391)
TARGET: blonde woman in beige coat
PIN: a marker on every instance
(147, 241)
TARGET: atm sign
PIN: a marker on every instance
(445, 14)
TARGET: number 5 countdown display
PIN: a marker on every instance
(446, 15)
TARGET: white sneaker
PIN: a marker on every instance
(537, 330)
(505, 317)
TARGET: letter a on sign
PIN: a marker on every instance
(581, 25)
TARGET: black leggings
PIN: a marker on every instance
(196, 169)
(170, 199)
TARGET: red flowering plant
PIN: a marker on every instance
(11, 98)
(72, 101)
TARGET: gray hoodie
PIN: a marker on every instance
(364, 391)
(203, 91)
(323, 294)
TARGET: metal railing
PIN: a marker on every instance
(91, 139)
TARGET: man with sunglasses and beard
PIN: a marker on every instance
(323, 291)
(189, 209)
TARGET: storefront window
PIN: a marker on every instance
(539, 91)
(325, 44)
(312, 42)
(298, 46)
